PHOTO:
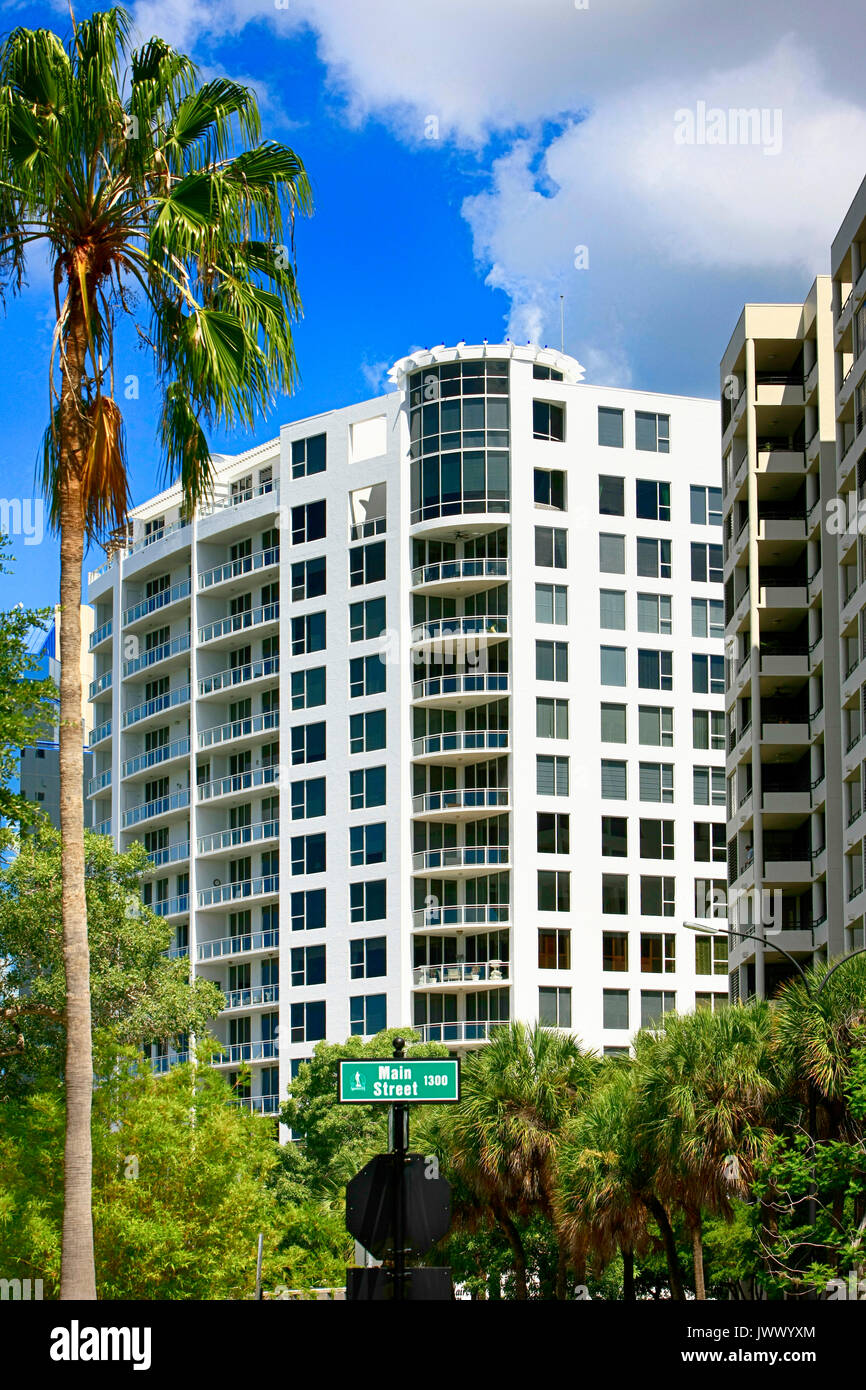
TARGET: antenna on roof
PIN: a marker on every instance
(562, 323)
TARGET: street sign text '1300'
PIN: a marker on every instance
(409, 1080)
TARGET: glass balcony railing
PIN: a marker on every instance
(178, 748)
(239, 728)
(242, 944)
(163, 599)
(233, 569)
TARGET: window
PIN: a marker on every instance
(554, 1007)
(708, 729)
(615, 1008)
(655, 670)
(367, 844)
(308, 688)
(614, 836)
(551, 661)
(366, 676)
(656, 782)
(611, 495)
(611, 553)
(652, 500)
(707, 563)
(542, 373)
(308, 743)
(612, 608)
(653, 558)
(366, 788)
(548, 421)
(613, 724)
(309, 455)
(654, 614)
(708, 675)
(708, 617)
(308, 578)
(308, 522)
(308, 799)
(552, 832)
(308, 634)
(713, 1002)
(551, 775)
(711, 955)
(366, 620)
(709, 786)
(308, 910)
(549, 488)
(308, 854)
(656, 896)
(614, 951)
(308, 1022)
(308, 966)
(551, 718)
(551, 603)
(656, 839)
(367, 563)
(711, 897)
(613, 780)
(710, 842)
(554, 949)
(656, 725)
(705, 506)
(367, 1014)
(367, 731)
(367, 900)
(368, 958)
(554, 890)
(654, 1004)
(551, 547)
(610, 431)
(613, 665)
(652, 433)
(658, 953)
(614, 894)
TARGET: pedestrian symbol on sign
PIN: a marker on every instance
(359, 1083)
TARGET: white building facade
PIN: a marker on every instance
(421, 721)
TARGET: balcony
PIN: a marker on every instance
(100, 733)
(236, 569)
(171, 854)
(460, 803)
(263, 669)
(781, 734)
(462, 916)
(455, 1034)
(162, 806)
(244, 944)
(100, 635)
(791, 664)
(165, 1064)
(265, 886)
(239, 729)
(171, 907)
(257, 1105)
(99, 783)
(467, 688)
(474, 632)
(779, 458)
(782, 596)
(164, 599)
(255, 998)
(265, 1051)
(167, 753)
(265, 616)
(172, 699)
(237, 782)
(458, 860)
(466, 746)
(222, 840)
(100, 685)
(157, 655)
(458, 577)
(462, 973)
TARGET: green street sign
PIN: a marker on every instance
(403, 1081)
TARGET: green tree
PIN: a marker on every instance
(137, 992)
(27, 708)
(155, 200)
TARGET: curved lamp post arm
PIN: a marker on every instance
(861, 950)
(752, 936)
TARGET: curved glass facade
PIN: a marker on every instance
(459, 439)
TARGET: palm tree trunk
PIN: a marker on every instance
(561, 1286)
(628, 1295)
(512, 1235)
(673, 1263)
(696, 1229)
(78, 1279)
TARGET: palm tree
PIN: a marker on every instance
(517, 1093)
(153, 198)
(817, 1019)
(705, 1083)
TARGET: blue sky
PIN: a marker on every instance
(460, 154)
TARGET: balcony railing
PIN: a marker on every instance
(239, 675)
(100, 732)
(455, 1032)
(252, 998)
(239, 728)
(459, 570)
(232, 569)
(462, 799)
(170, 700)
(371, 526)
(442, 629)
(161, 806)
(462, 915)
(244, 943)
(165, 1063)
(100, 685)
(257, 1105)
(173, 594)
(263, 1051)
(99, 783)
(240, 835)
(266, 885)
(175, 647)
(238, 782)
(99, 634)
(240, 622)
(178, 748)
(460, 973)
(461, 857)
(474, 683)
(170, 907)
(171, 854)
(461, 741)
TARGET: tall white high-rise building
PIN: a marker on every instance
(422, 720)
